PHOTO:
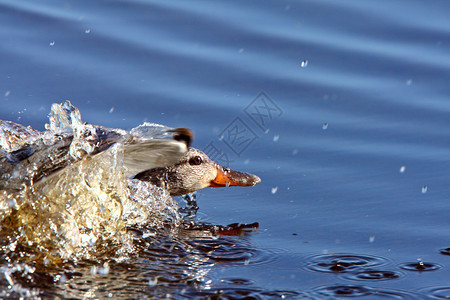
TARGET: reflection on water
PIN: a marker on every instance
(162, 261)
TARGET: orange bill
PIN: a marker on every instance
(227, 177)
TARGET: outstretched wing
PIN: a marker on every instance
(152, 154)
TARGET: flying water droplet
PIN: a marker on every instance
(295, 152)
(325, 126)
(409, 82)
(104, 270)
(52, 43)
(241, 50)
(12, 203)
(87, 30)
(402, 169)
(274, 189)
(94, 270)
(62, 278)
(304, 63)
(8, 278)
(276, 138)
(424, 189)
(371, 239)
(7, 93)
(153, 282)
(111, 110)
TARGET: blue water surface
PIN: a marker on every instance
(344, 108)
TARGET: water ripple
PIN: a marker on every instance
(441, 292)
(372, 275)
(345, 291)
(341, 263)
(420, 266)
(230, 251)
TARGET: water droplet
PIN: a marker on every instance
(241, 50)
(325, 126)
(12, 203)
(287, 7)
(371, 239)
(402, 169)
(424, 189)
(295, 152)
(153, 282)
(274, 189)
(304, 63)
(87, 30)
(7, 93)
(104, 269)
(276, 138)
(52, 43)
(94, 270)
(111, 110)
(8, 278)
(409, 82)
(62, 278)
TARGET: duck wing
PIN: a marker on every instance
(153, 145)
(152, 154)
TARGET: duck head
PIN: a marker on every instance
(193, 172)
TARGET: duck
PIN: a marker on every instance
(153, 153)
(195, 171)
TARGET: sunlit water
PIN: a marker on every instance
(344, 106)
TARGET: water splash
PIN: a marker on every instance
(70, 198)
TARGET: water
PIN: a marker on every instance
(343, 108)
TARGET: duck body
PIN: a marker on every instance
(153, 153)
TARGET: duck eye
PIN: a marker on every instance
(196, 160)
